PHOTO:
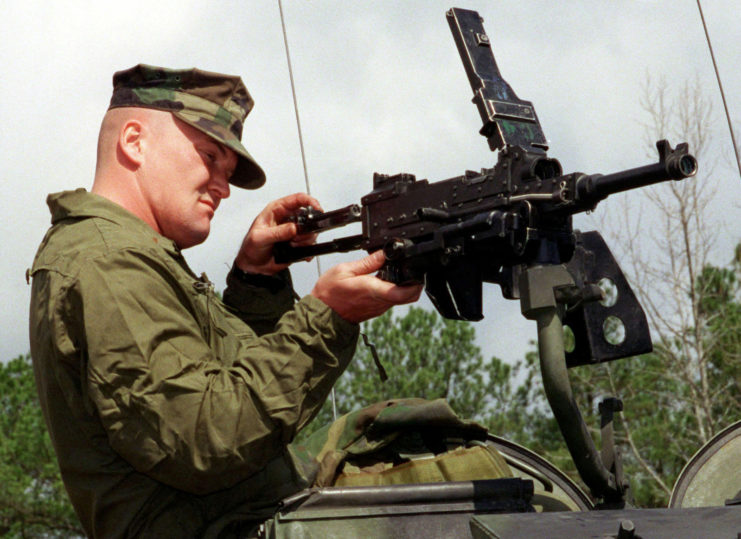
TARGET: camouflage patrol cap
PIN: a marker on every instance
(213, 103)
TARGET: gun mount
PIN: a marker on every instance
(512, 225)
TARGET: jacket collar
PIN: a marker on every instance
(80, 204)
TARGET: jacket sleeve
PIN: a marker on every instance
(262, 302)
(191, 396)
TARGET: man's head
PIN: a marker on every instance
(213, 103)
(167, 155)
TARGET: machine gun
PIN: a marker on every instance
(455, 234)
(512, 225)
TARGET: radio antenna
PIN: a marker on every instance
(720, 86)
(303, 153)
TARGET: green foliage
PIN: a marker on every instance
(644, 430)
(721, 307)
(33, 502)
(528, 419)
(425, 356)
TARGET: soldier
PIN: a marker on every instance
(170, 411)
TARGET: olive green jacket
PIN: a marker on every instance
(170, 411)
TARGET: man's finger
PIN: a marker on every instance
(368, 264)
(287, 206)
(274, 234)
(406, 294)
(304, 239)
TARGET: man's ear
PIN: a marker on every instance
(130, 141)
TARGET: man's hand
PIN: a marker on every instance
(356, 295)
(256, 253)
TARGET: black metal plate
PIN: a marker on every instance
(592, 262)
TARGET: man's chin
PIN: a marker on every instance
(184, 241)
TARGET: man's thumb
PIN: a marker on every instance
(369, 264)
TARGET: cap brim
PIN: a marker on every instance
(248, 174)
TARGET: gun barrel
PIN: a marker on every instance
(673, 165)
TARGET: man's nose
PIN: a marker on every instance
(220, 184)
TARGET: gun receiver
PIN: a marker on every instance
(512, 225)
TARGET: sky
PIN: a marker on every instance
(380, 88)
